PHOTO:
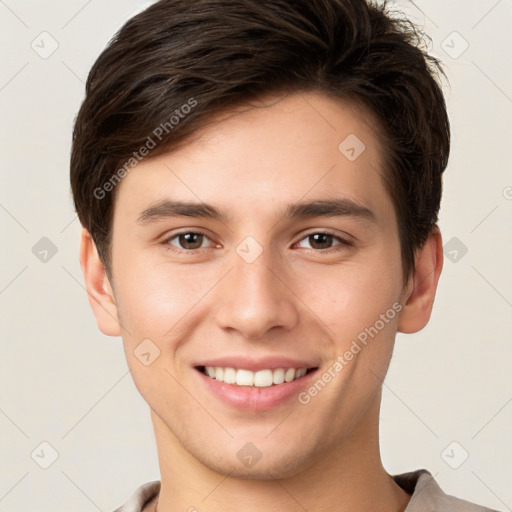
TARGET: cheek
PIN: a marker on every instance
(153, 297)
(351, 297)
(156, 305)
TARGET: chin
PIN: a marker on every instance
(275, 467)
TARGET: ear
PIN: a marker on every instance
(422, 285)
(99, 290)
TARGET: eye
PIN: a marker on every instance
(324, 240)
(193, 240)
(189, 240)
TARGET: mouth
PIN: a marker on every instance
(255, 383)
(263, 378)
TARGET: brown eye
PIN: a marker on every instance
(320, 240)
(189, 240)
(323, 240)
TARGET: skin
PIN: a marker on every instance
(295, 299)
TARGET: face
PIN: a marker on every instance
(267, 244)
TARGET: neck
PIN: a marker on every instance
(349, 477)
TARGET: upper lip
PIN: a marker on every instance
(255, 364)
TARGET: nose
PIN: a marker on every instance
(256, 298)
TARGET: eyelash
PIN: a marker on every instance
(343, 242)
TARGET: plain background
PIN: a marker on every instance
(448, 394)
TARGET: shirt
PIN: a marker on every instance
(427, 496)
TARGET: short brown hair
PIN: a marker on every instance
(210, 55)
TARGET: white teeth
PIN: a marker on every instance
(278, 376)
(263, 378)
(244, 378)
(259, 379)
(229, 375)
(289, 375)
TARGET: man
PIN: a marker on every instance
(259, 184)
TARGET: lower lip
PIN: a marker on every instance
(256, 399)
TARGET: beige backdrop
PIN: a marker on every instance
(74, 432)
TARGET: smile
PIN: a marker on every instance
(260, 379)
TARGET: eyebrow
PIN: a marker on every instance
(317, 208)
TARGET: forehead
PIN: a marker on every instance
(275, 151)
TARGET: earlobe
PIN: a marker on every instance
(422, 286)
(99, 290)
